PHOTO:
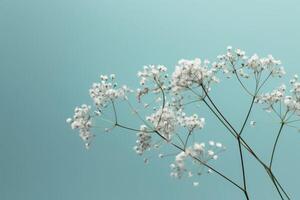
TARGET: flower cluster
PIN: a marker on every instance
(291, 102)
(272, 98)
(199, 155)
(168, 119)
(258, 64)
(82, 121)
(154, 75)
(192, 72)
(164, 121)
(143, 142)
(295, 86)
(105, 91)
(178, 168)
(236, 61)
(191, 122)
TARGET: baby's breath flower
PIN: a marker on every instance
(143, 142)
(192, 72)
(104, 92)
(164, 121)
(272, 98)
(197, 151)
(252, 123)
(191, 122)
(82, 121)
(195, 184)
(236, 61)
(152, 78)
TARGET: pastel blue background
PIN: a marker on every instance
(51, 52)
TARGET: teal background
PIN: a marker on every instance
(51, 52)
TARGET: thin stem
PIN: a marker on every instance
(182, 149)
(234, 133)
(280, 186)
(179, 138)
(296, 120)
(239, 80)
(187, 138)
(264, 82)
(132, 129)
(243, 168)
(220, 119)
(271, 175)
(217, 109)
(240, 147)
(219, 173)
(205, 164)
(242, 84)
(164, 100)
(247, 116)
(275, 144)
(137, 113)
(115, 112)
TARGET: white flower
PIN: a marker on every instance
(195, 184)
(210, 152)
(270, 99)
(178, 168)
(295, 86)
(69, 120)
(252, 123)
(219, 145)
(291, 102)
(104, 92)
(196, 152)
(152, 73)
(192, 72)
(237, 61)
(164, 121)
(143, 142)
(211, 143)
(82, 121)
(153, 78)
(191, 122)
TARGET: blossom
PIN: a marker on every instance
(164, 125)
(105, 91)
(152, 78)
(82, 121)
(152, 73)
(192, 72)
(271, 98)
(199, 154)
(164, 121)
(178, 168)
(195, 184)
(252, 123)
(269, 63)
(191, 122)
(290, 101)
(295, 86)
(143, 142)
(236, 61)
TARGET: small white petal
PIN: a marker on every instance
(195, 184)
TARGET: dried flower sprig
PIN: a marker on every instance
(169, 125)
